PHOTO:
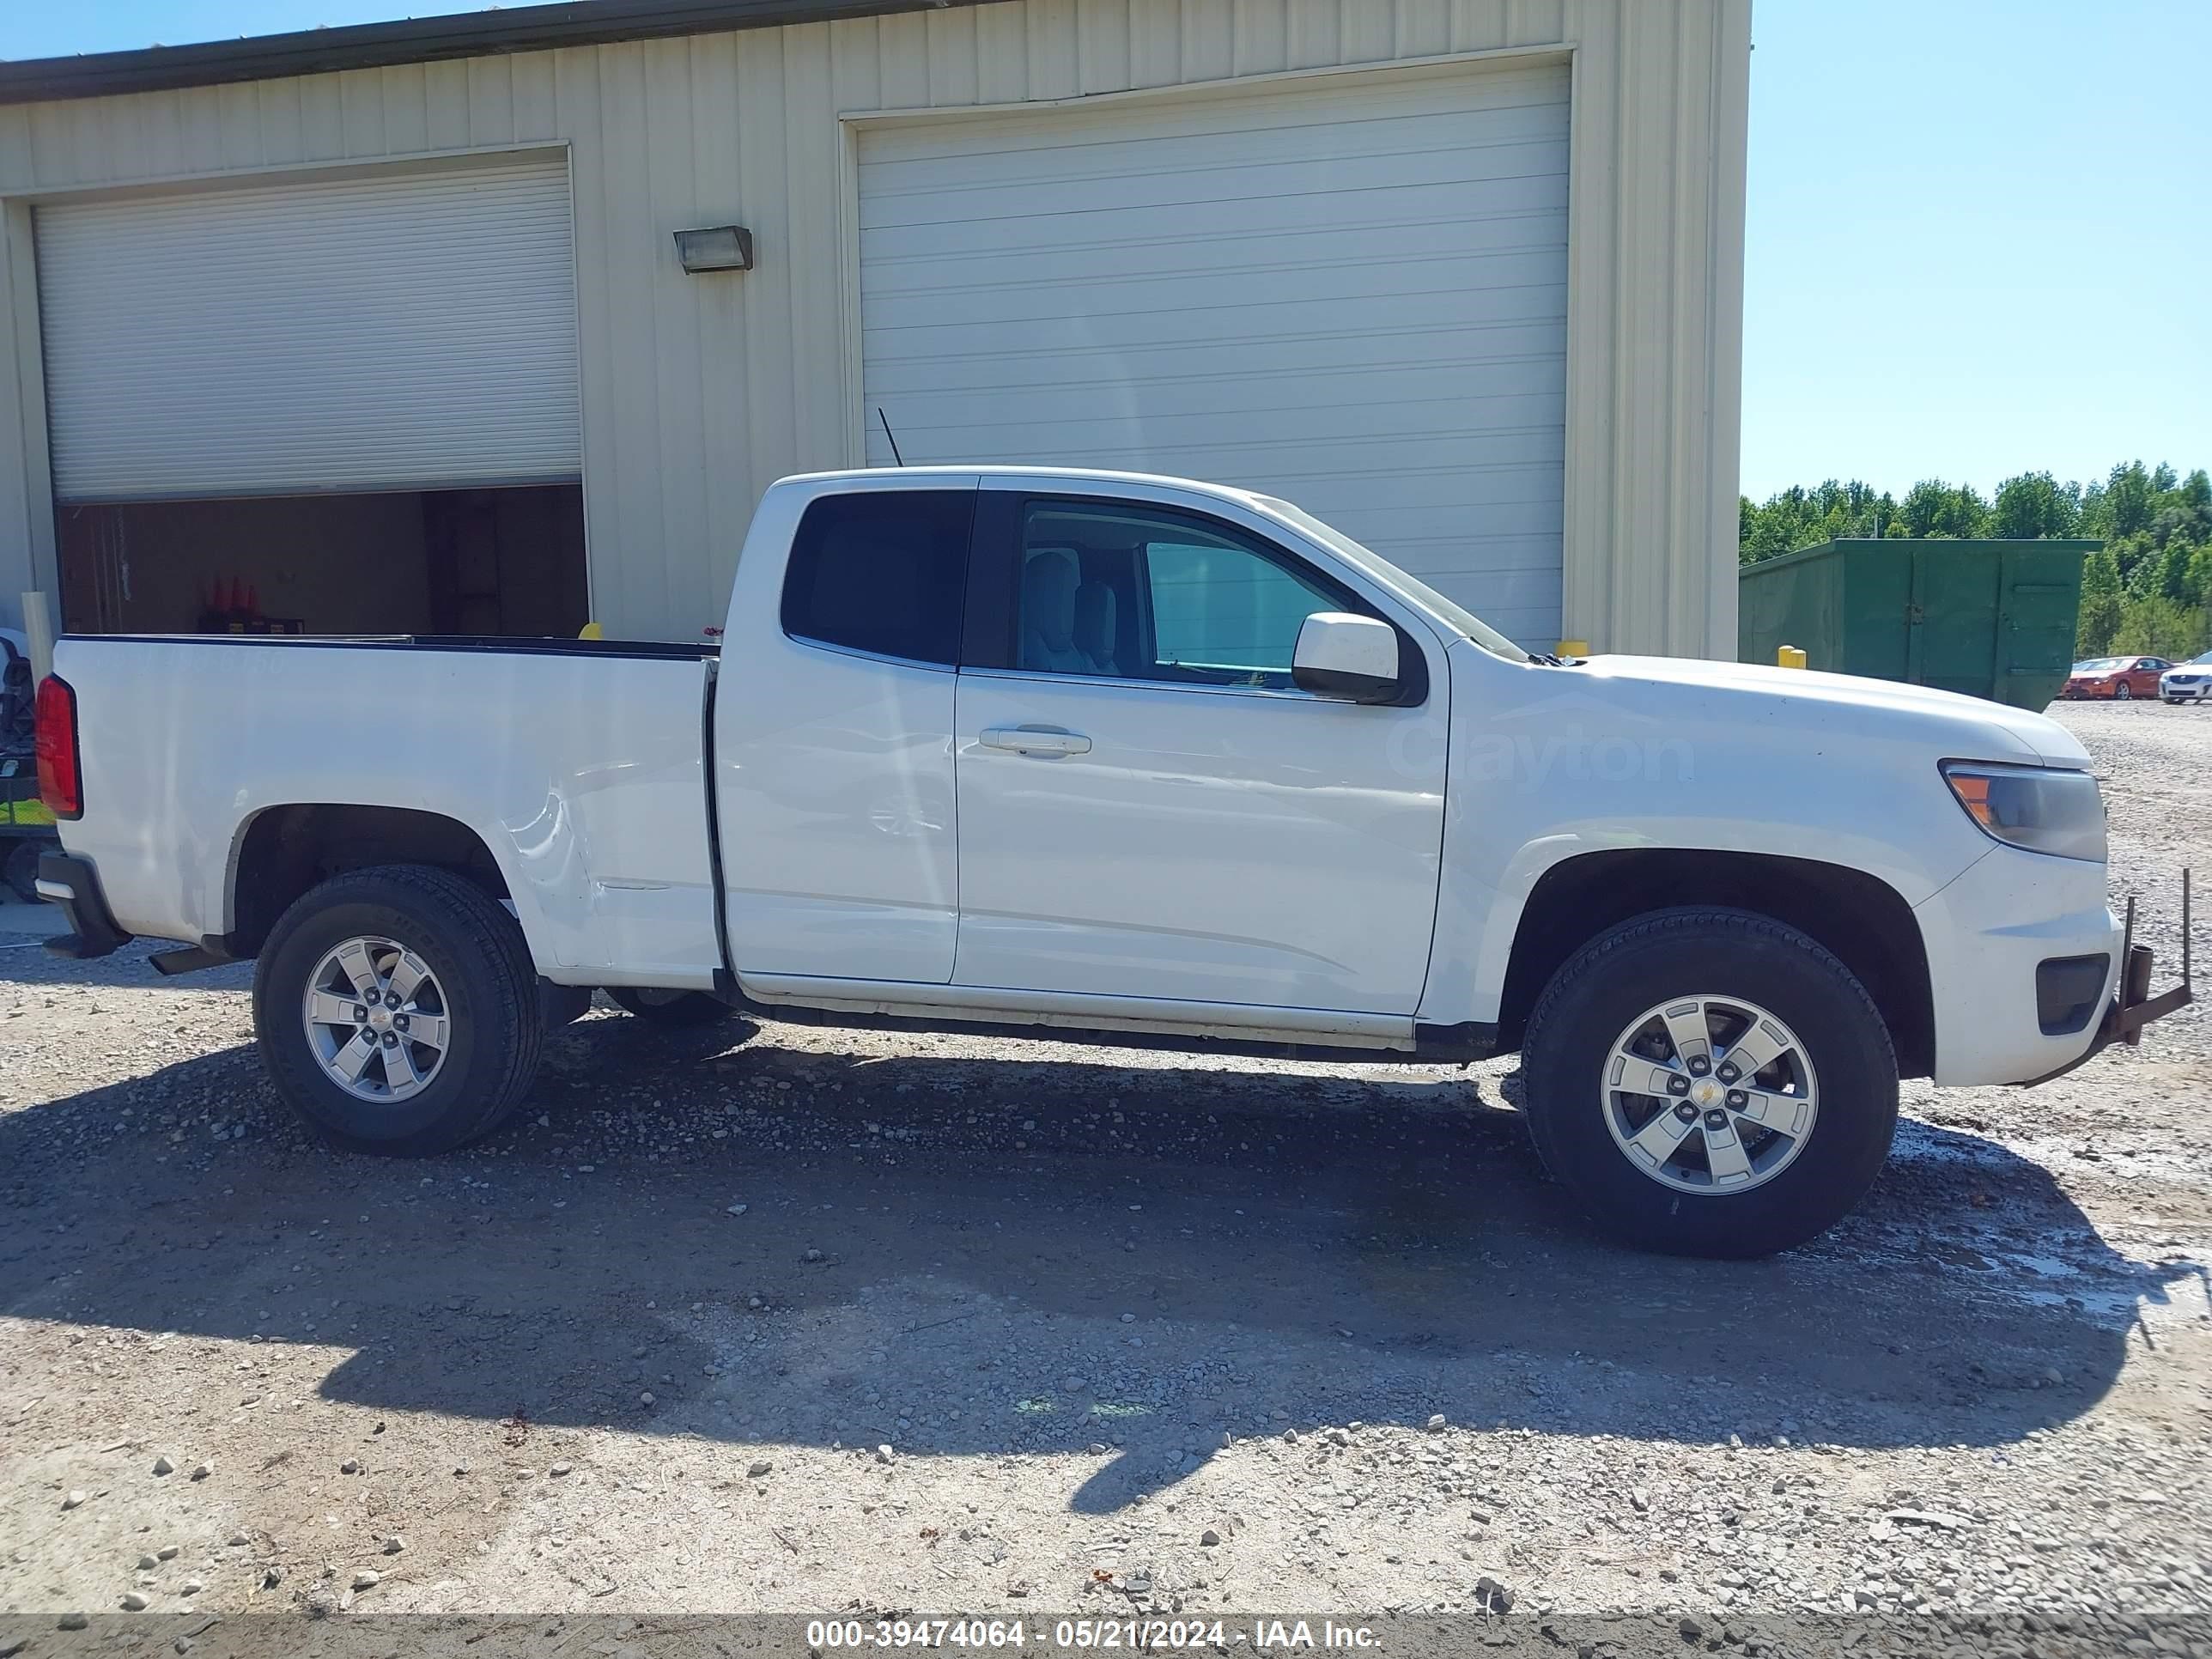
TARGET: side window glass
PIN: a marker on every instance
(882, 571)
(1129, 592)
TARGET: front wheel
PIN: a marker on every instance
(2121, 693)
(666, 1007)
(398, 1010)
(1710, 1083)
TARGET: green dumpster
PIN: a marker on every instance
(1990, 618)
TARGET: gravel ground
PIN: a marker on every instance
(806, 1321)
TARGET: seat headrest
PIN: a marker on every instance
(1049, 581)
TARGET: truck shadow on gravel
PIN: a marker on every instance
(961, 1252)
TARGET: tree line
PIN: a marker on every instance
(2149, 589)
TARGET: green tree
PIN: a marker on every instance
(2099, 617)
(2033, 505)
(2126, 502)
(1933, 507)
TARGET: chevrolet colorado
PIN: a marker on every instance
(1096, 751)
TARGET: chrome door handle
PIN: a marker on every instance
(1035, 739)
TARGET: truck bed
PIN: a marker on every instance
(578, 762)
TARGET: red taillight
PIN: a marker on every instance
(61, 780)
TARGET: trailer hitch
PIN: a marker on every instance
(2135, 1007)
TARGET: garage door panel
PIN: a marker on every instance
(1408, 400)
(371, 331)
(1287, 326)
(1076, 301)
(1537, 93)
(1500, 350)
(903, 272)
(1193, 188)
(1491, 147)
(1507, 213)
(1352, 297)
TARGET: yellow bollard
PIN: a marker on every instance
(1572, 648)
(1789, 656)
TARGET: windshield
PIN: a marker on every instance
(2204, 661)
(2098, 662)
(1371, 563)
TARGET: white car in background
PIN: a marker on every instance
(2187, 681)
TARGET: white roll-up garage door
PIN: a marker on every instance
(389, 330)
(1350, 295)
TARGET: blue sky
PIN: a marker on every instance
(1979, 237)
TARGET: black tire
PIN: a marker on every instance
(671, 1008)
(481, 965)
(21, 872)
(1722, 953)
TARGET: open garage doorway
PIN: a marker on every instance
(473, 561)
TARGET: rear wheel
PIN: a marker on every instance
(398, 1010)
(665, 1007)
(1710, 1083)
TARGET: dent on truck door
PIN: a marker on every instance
(833, 744)
(1148, 807)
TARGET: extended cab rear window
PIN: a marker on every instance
(882, 571)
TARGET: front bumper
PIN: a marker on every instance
(72, 883)
(2133, 1006)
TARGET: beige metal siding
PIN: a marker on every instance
(700, 390)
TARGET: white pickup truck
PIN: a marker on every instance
(1091, 751)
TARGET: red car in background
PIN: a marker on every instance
(2115, 676)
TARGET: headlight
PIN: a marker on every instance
(2044, 809)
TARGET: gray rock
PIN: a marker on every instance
(1209, 1536)
(350, 1466)
(72, 1621)
(645, 1399)
(133, 1601)
(271, 1579)
(147, 1563)
(201, 1470)
(69, 1501)
(365, 1579)
(1436, 1423)
(558, 1470)
(167, 1552)
(193, 1586)
(163, 1466)
(883, 1453)
(394, 1544)
(756, 1468)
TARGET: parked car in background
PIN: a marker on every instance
(2120, 677)
(2187, 681)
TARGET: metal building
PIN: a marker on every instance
(390, 328)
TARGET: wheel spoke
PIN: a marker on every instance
(409, 971)
(353, 958)
(328, 1008)
(1789, 1114)
(1657, 1140)
(1639, 1076)
(1686, 1030)
(1724, 1156)
(352, 1056)
(1757, 1048)
(399, 1070)
(428, 1030)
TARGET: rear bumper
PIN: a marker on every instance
(72, 883)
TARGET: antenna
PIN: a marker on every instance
(896, 457)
